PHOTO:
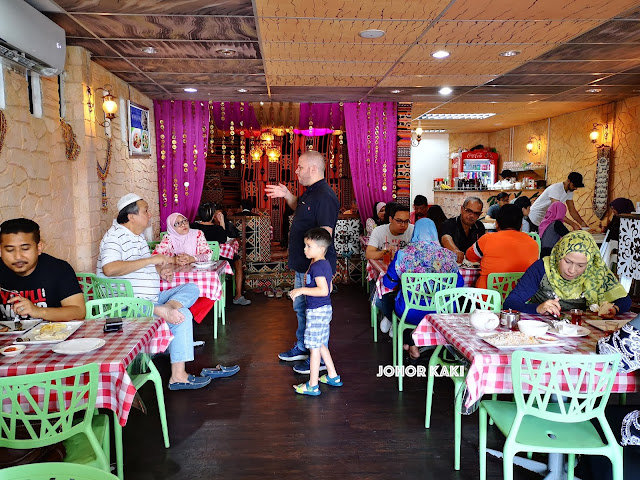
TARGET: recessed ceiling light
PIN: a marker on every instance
(510, 53)
(261, 104)
(242, 90)
(150, 50)
(226, 52)
(455, 116)
(445, 91)
(593, 90)
(371, 33)
(396, 91)
(440, 54)
(190, 90)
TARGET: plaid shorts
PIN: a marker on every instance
(317, 332)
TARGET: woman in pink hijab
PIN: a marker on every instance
(551, 228)
(182, 243)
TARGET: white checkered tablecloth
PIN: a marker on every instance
(229, 249)
(115, 389)
(490, 370)
(207, 279)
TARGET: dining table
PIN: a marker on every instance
(115, 387)
(207, 276)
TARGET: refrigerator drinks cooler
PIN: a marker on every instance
(478, 165)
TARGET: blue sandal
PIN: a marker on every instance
(306, 389)
(333, 381)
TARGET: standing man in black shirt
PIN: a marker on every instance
(318, 206)
(41, 286)
(459, 233)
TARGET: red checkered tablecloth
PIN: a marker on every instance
(207, 279)
(490, 370)
(115, 389)
(229, 249)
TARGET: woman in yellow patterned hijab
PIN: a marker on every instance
(576, 270)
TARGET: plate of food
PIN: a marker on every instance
(137, 141)
(202, 264)
(506, 340)
(9, 327)
(78, 346)
(50, 332)
(569, 330)
(145, 141)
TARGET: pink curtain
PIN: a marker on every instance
(371, 139)
(181, 143)
(324, 118)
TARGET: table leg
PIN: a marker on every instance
(117, 433)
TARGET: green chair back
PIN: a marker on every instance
(466, 300)
(67, 400)
(152, 246)
(119, 307)
(55, 471)
(86, 283)
(111, 287)
(215, 250)
(536, 237)
(162, 234)
(503, 282)
(542, 374)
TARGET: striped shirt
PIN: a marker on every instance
(121, 244)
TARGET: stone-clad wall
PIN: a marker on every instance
(36, 179)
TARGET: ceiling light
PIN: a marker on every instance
(455, 116)
(371, 33)
(510, 53)
(445, 91)
(396, 91)
(440, 54)
(190, 90)
(242, 90)
(593, 90)
(150, 50)
(226, 52)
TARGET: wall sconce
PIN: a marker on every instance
(531, 143)
(595, 133)
(109, 104)
(415, 140)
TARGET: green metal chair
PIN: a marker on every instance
(503, 282)
(554, 418)
(152, 246)
(418, 290)
(63, 403)
(536, 237)
(104, 287)
(86, 281)
(54, 471)
(142, 370)
(454, 300)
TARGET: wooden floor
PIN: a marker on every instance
(253, 426)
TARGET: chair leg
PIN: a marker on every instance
(216, 306)
(482, 425)
(571, 463)
(433, 361)
(117, 436)
(399, 342)
(394, 329)
(374, 321)
(457, 422)
(507, 463)
(157, 381)
(223, 315)
(233, 285)
(622, 399)
(616, 462)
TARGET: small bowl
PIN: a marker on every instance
(534, 328)
(12, 350)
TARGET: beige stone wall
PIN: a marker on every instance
(36, 179)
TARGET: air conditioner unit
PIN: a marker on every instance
(29, 40)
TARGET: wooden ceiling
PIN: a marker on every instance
(310, 51)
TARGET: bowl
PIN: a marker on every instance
(534, 328)
(12, 350)
(484, 320)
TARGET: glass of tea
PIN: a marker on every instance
(576, 316)
(386, 256)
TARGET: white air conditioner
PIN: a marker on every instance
(29, 40)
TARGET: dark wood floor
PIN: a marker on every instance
(253, 426)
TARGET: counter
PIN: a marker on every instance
(451, 200)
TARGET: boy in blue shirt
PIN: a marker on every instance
(317, 290)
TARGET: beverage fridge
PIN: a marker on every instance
(478, 165)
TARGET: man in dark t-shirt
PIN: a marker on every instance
(318, 206)
(459, 233)
(33, 283)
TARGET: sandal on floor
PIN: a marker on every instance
(192, 383)
(333, 381)
(306, 389)
(279, 293)
(220, 371)
(269, 293)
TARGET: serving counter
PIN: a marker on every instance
(451, 200)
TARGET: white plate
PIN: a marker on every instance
(202, 264)
(581, 332)
(540, 344)
(79, 345)
(485, 333)
(12, 350)
(31, 335)
(26, 326)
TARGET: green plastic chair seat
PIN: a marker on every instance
(54, 471)
(78, 447)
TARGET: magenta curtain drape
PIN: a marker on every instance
(181, 144)
(325, 117)
(371, 139)
(236, 112)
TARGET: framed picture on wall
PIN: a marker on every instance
(139, 139)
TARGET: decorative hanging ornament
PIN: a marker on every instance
(3, 129)
(72, 149)
(103, 172)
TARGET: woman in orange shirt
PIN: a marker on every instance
(507, 250)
